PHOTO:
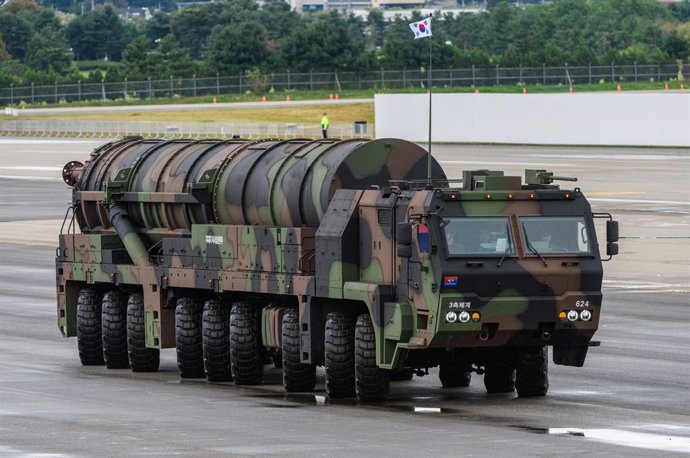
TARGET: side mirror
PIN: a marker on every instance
(404, 234)
(404, 251)
(611, 231)
(404, 240)
(611, 248)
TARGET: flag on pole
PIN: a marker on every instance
(422, 28)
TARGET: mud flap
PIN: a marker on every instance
(570, 355)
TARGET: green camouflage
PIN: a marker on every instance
(316, 226)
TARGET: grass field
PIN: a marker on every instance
(300, 114)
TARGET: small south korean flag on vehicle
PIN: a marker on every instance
(422, 28)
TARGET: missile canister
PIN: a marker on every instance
(172, 184)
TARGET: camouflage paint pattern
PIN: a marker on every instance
(296, 224)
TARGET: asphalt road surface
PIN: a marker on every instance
(632, 398)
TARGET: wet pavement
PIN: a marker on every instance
(632, 398)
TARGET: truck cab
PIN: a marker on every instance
(497, 271)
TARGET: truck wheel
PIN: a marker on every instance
(141, 359)
(246, 350)
(114, 329)
(401, 375)
(533, 372)
(296, 375)
(339, 356)
(499, 378)
(453, 375)
(372, 382)
(89, 340)
(188, 339)
(215, 341)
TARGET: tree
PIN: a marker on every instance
(98, 34)
(17, 6)
(675, 46)
(4, 55)
(49, 52)
(326, 42)
(16, 33)
(193, 26)
(233, 49)
(135, 58)
(158, 26)
(170, 59)
(376, 28)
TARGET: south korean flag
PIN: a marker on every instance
(422, 28)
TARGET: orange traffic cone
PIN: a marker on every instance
(570, 89)
(619, 88)
(337, 97)
(330, 96)
(524, 90)
(263, 98)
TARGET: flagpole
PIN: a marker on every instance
(428, 160)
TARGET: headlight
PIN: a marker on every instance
(585, 315)
(464, 317)
(451, 317)
(572, 315)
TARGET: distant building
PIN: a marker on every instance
(387, 4)
(185, 5)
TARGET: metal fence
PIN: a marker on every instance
(110, 129)
(337, 81)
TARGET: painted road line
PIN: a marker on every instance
(641, 157)
(525, 164)
(641, 201)
(631, 284)
(33, 141)
(649, 441)
(29, 178)
(615, 193)
(32, 168)
(34, 232)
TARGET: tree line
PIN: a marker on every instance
(237, 36)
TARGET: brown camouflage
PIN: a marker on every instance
(296, 223)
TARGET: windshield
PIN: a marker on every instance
(478, 236)
(555, 235)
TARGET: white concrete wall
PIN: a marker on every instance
(598, 118)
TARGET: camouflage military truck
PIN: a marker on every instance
(334, 253)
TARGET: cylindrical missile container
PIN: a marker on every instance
(173, 184)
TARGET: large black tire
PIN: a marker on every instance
(455, 373)
(246, 350)
(141, 359)
(89, 340)
(189, 339)
(296, 375)
(372, 382)
(114, 330)
(533, 372)
(499, 378)
(339, 355)
(401, 375)
(216, 341)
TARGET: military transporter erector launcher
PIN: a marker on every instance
(335, 253)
